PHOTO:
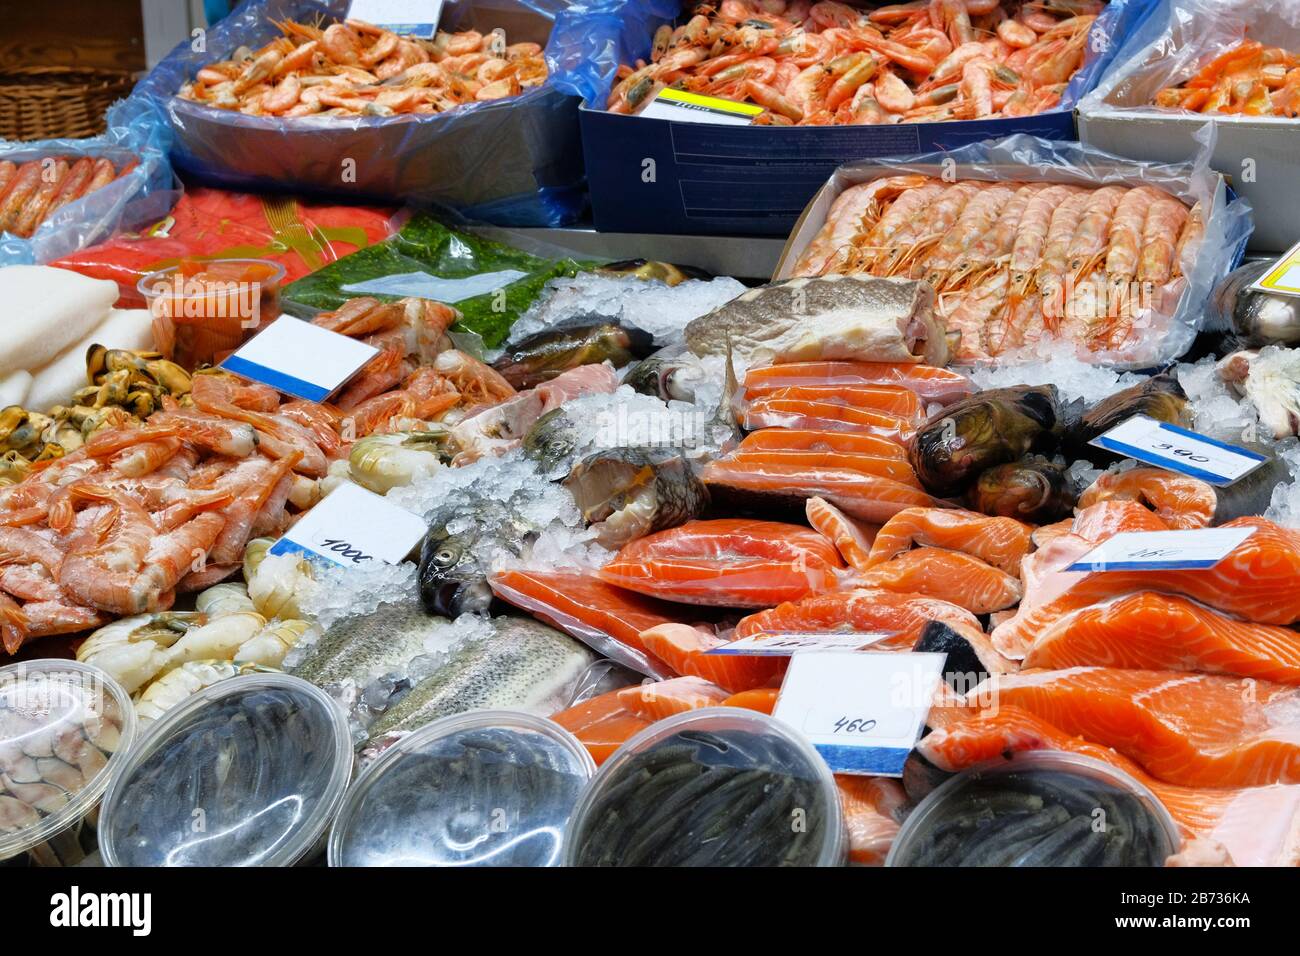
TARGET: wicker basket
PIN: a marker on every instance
(45, 102)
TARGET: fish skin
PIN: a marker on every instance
(677, 494)
(1193, 730)
(855, 318)
(1159, 397)
(1033, 489)
(546, 355)
(522, 665)
(359, 649)
(668, 375)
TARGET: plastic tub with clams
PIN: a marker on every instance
(1042, 808)
(247, 772)
(711, 787)
(64, 729)
(489, 788)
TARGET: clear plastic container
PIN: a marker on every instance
(1005, 831)
(64, 729)
(247, 772)
(489, 788)
(199, 317)
(775, 802)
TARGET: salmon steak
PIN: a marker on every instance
(1001, 542)
(862, 495)
(1255, 582)
(601, 724)
(686, 649)
(1182, 502)
(728, 562)
(655, 700)
(1152, 631)
(761, 699)
(872, 807)
(902, 617)
(892, 399)
(952, 576)
(826, 415)
(605, 618)
(1196, 730)
(1259, 826)
(930, 384)
(799, 439)
(852, 538)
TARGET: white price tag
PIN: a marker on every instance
(305, 360)
(1177, 449)
(784, 645)
(687, 107)
(355, 528)
(416, 18)
(862, 711)
(1163, 550)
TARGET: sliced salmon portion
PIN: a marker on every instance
(893, 468)
(655, 700)
(685, 648)
(728, 562)
(1256, 582)
(951, 576)
(901, 616)
(1181, 502)
(601, 724)
(1001, 542)
(872, 807)
(1259, 826)
(798, 439)
(881, 398)
(1098, 522)
(852, 538)
(834, 416)
(1151, 631)
(868, 497)
(762, 699)
(603, 617)
(1045, 534)
(1196, 730)
(929, 383)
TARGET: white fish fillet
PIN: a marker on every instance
(48, 309)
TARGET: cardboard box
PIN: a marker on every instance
(1260, 154)
(663, 176)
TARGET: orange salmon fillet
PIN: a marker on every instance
(1001, 542)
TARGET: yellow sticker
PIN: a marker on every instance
(693, 108)
(1284, 276)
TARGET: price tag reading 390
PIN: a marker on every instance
(1168, 446)
(354, 528)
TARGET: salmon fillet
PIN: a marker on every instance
(852, 538)
(686, 648)
(1182, 502)
(826, 416)
(655, 700)
(866, 496)
(872, 807)
(1001, 542)
(951, 576)
(798, 439)
(1196, 730)
(929, 383)
(902, 616)
(891, 399)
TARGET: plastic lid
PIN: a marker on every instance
(979, 817)
(247, 772)
(62, 726)
(764, 797)
(489, 788)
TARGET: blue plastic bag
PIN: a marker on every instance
(516, 161)
(142, 196)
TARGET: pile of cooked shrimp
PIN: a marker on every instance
(141, 512)
(827, 63)
(355, 69)
(1016, 263)
(1250, 79)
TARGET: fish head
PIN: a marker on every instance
(553, 439)
(453, 575)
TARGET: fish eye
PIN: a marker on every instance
(445, 556)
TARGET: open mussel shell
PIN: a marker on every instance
(490, 788)
(248, 772)
(64, 728)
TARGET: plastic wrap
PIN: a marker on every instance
(214, 224)
(490, 283)
(515, 161)
(1029, 159)
(1179, 38)
(140, 197)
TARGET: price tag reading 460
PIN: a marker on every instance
(1177, 449)
(354, 528)
(1195, 550)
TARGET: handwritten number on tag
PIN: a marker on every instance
(345, 550)
(858, 725)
